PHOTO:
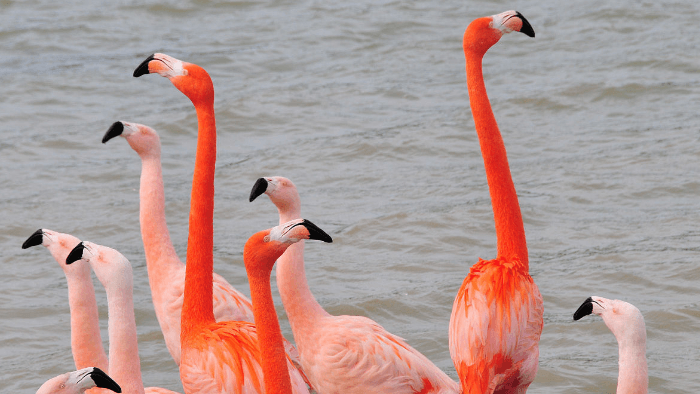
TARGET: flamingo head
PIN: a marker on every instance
(79, 381)
(143, 139)
(58, 244)
(265, 247)
(622, 318)
(108, 264)
(192, 80)
(484, 32)
(282, 192)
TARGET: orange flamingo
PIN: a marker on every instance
(627, 324)
(496, 318)
(342, 354)
(86, 341)
(78, 382)
(114, 272)
(215, 357)
(259, 255)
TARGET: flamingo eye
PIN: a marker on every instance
(62, 386)
(266, 238)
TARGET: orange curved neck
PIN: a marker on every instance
(510, 232)
(198, 308)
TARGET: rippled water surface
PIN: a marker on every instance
(364, 106)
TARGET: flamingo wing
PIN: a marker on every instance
(360, 356)
(495, 327)
(226, 359)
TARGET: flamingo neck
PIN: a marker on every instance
(124, 363)
(273, 356)
(633, 374)
(160, 253)
(198, 307)
(510, 233)
(299, 303)
(86, 341)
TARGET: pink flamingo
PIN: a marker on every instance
(259, 255)
(342, 354)
(497, 315)
(627, 324)
(78, 382)
(114, 272)
(214, 356)
(86, 341)
(166, 273)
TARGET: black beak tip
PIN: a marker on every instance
(259, 188)
(316, 233)
(35, 239)
(143, 67)
(527, 27)
(115, 130)
(585, 309)
(75, 254)
(103, 380)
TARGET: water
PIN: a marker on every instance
(364, 106)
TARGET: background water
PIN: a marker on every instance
(364, 106)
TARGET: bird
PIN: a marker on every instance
(78, 382)
(627, 324)
(166, 273)
(114, 271)
(259, 255)
(497, 315)
(86, 340)
(342, 354)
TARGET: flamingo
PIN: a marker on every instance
(77, 382)
(204, 368)
(86, 341)
(497, 314)
(114, 272)
(166, 273)
(259, 254)
(342, 354)
(627, 324)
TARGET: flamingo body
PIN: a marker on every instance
(497, 315)
(342, 354)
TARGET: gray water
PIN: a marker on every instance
(364, 106)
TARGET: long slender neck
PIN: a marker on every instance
(197, 308)
(299, 303)
(633, 375)
(510, 233)
(160, 253)
(86, 341)
(124, 362)
(273, 356)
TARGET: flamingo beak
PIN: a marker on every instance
(315, 232)
(103, 380)
(585, 309)
(143, 67)
(35, 239)
(75, 254)
(259, 188)
(114, 131)
(527, 27)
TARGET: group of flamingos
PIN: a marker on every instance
(224, 343)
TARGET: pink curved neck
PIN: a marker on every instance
(633, 375)
(510, 233)
(160, 253)
(273, 355)
(86, 341)
(124, 362)
(299, 303)
(198, 308)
